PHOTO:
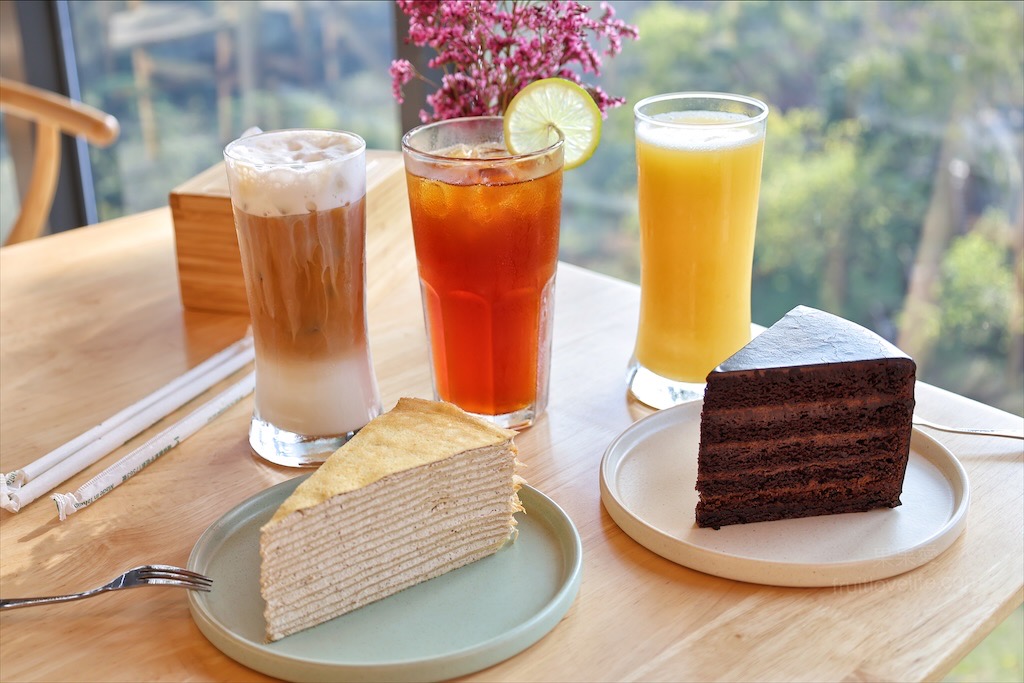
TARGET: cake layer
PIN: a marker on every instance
(795, 478)
(354, 572)
(354, 582)
(805, 384)
(728, 510)
(332, 554)
(379, 504)
(736, 456)
(802, 420)
(416, 504)
(401, 545)
(401, 529)
(429, 561)
(416, 432)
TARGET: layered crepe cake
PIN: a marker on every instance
(812, 417)
(419, 491)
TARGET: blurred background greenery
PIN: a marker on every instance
(892, 191)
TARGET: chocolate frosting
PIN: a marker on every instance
(807, 336)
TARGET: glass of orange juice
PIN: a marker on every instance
(699, 175)
(486, 226)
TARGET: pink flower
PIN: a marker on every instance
(489, 50)
(401, 73)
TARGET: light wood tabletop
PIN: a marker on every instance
(91, 321)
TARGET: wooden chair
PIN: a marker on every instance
(52, 114)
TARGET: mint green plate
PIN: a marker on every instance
(456, 624)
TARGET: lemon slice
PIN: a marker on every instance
(552, 103)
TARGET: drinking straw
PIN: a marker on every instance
(128, 466)
(21, 487)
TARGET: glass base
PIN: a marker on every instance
(290, 449)
(518, 419)
(660, 392)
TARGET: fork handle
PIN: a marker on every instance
(15, 603)
(1006, 433)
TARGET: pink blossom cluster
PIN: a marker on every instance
(489, 50)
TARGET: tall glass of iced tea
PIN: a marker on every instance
(486, 224)
(299, 199)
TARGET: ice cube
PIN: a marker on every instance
(496, 175)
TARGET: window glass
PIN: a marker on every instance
(184, 78)
(892, 190)
(9, 198)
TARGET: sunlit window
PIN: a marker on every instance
(185, 78)
(892, 190)
(8, 186)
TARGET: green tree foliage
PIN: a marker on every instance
(977, 288)
(892, 186)
(978, 320)
(895, 127)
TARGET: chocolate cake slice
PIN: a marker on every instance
(812, 417)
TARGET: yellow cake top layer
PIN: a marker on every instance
(414, 433)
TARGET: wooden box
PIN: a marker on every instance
(209, 265)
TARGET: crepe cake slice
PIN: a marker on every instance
(419, 491)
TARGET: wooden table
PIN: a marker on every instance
(90, 321)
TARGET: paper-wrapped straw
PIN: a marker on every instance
(125, 468)
(21, 487)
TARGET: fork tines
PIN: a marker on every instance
(162, 574)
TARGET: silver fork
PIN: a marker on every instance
(1008, 433)
(146, 575)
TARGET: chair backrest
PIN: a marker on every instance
(52, 114)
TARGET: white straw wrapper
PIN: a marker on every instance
(21, 487)
(125, 468)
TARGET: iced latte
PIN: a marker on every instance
(299, 200)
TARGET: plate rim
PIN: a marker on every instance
(450, 664)
(766, 572)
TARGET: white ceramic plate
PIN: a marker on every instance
(648, 475)
(455, 624)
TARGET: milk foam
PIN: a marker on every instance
(698, 130)
(292, 172)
